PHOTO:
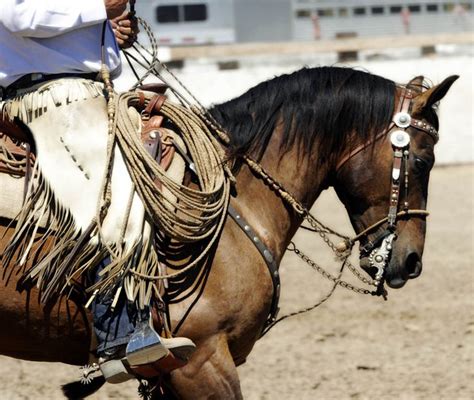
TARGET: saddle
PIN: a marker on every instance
(13, 130)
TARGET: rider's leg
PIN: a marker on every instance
(113, 328)
(126, 338)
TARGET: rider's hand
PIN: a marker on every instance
(115, 8)
(125, 28)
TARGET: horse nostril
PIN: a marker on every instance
(413, 265)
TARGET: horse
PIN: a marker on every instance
(310, 130)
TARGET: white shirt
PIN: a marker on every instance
(54, 37)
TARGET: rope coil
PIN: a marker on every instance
(195, 216)
(198, 215)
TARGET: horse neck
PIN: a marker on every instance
(272, 217)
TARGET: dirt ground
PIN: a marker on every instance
(417, 345)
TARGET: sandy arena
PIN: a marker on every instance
(417, 345)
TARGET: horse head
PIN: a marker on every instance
(375, 176)
(366, 136)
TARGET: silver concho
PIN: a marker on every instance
(402, 119)
(400, 139)
(379, 257)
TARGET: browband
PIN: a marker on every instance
(405, 108)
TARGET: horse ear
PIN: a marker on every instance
(416, 84)
(433, 95)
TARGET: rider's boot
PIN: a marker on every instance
(146, 354)
(127, 343)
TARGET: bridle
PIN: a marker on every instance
(379, 249)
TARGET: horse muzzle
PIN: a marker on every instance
(398, 271)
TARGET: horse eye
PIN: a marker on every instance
(421, 164)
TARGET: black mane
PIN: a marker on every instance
(323, 106)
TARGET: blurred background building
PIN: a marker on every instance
(188, 22)
(221, 48)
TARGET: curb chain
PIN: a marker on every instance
(327, 275)
(323, 233)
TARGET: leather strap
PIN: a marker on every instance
(141, 100)
(361, 147)
(168, 149)
(151, 136)
(158, 88)
(154, 106)
(395, 190)
(11, 129)
(269, 260)
(425, 127)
